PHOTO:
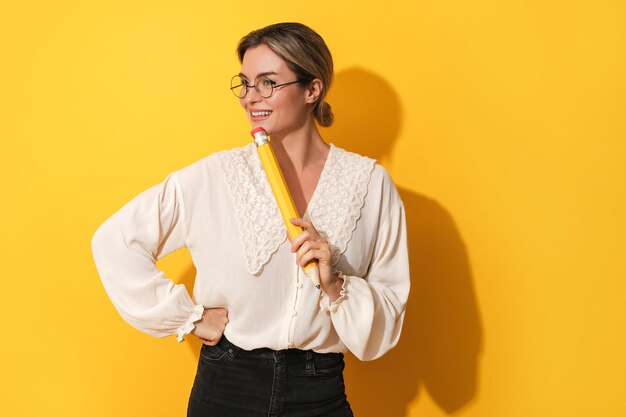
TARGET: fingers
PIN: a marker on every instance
(299, 221)
(309, 244)
(306, 225)
(211, 327)
(299, 240)
(305, 247)
(211, 338)
(304, 259)
(211, 342)
(313, 250)
(303, 253)
(308, 234)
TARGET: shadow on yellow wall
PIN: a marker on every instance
(442, 334)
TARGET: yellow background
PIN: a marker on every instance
(502, 123)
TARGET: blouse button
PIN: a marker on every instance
(299, 285)
(295, 313)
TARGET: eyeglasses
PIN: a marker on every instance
(263, 85)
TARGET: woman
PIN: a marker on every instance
(272, 342)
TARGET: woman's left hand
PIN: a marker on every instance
(311, 245)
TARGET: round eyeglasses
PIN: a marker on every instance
(263, 85)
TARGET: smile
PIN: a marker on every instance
(262, 113)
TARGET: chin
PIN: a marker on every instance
(268, 128)
(263, 123)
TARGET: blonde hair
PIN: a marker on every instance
(305, 53)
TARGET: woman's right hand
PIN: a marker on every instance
(210, 328)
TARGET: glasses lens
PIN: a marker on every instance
(237, 86)
(264, 86)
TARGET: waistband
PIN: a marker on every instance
(266, 353)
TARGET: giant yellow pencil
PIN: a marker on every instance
(281, 193)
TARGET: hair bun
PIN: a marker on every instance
(326, 115)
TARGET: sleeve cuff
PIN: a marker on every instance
(326, 304)
(189, 325)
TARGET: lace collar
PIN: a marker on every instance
(334, 208)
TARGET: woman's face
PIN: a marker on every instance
(288, 108)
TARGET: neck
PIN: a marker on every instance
(301, 149)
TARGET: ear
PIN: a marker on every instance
(313, 91)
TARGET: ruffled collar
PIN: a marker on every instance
(334, 208)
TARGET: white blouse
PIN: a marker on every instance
(222, 209)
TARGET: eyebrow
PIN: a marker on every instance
(241, 74)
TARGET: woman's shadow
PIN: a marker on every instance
(442, 335)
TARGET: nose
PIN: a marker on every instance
(252, 96)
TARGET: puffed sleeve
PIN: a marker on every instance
(369, 313)
(125, 249)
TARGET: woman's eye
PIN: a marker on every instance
(267, 82)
